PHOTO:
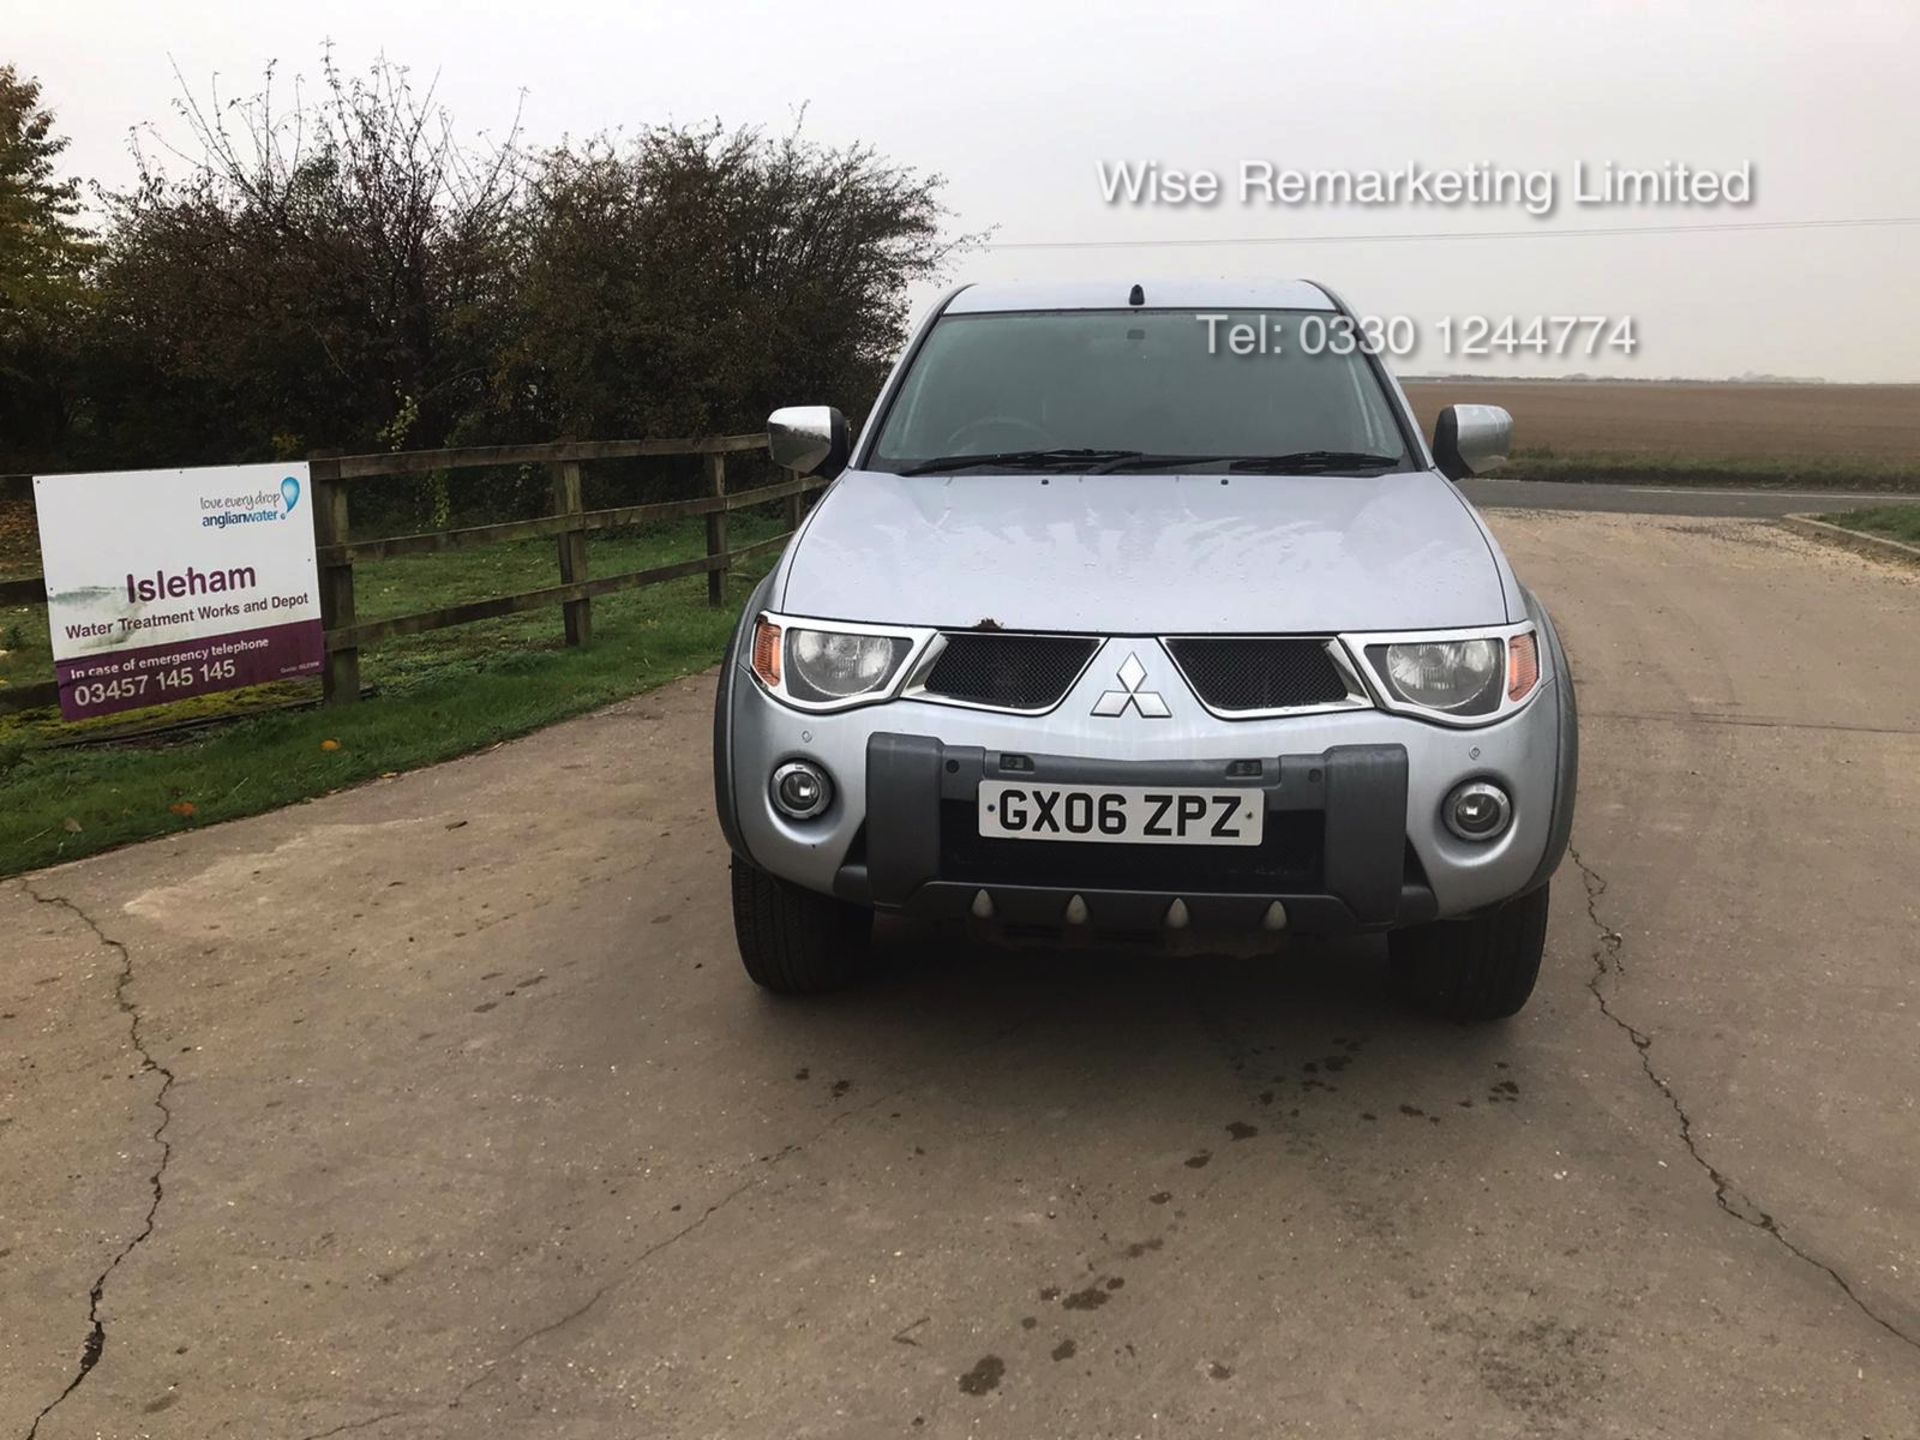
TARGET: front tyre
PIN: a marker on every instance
(1481, 968)
(796, 941)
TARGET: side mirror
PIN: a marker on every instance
(1471, 439)
(808, 440)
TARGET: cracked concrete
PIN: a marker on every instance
(755, 1176)
(1729, 1197)
(95, 1344)
(464, 1100)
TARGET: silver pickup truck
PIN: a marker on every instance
(1111, 628)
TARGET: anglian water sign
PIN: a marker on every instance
(163, 584)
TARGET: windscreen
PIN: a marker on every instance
(1255, 383)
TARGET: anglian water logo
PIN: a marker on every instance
(257, 508)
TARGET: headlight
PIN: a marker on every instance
(1453, 675)
(834, 665)
(818, 668)
(1457, 678)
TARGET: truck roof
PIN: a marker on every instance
(1159, 295)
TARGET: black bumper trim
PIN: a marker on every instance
(903, 814)
(1366, 821)
(1361, 790)
(1140, 911)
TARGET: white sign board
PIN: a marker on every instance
(167, 583)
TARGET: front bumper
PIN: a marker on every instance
(1334, 852)
(1353, 798)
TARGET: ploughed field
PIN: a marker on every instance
(1711, 423)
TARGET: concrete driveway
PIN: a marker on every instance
(441, 1107)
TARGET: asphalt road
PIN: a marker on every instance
(1495, 492)
(441, 1107)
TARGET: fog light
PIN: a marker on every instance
(1477, 810)
(801, 790)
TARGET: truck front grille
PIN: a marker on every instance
(1233, 674)
(1008, 671)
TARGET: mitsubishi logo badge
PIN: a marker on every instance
(1148, 702)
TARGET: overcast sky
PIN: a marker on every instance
(1017, 103)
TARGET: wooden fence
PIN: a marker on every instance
(570, 523)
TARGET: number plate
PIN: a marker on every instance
(1122, 814)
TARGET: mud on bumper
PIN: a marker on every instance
(1334, 852)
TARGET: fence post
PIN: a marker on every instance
(717, 527)
(340, 682)
(793, 504)
(577, 615)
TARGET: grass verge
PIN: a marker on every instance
(1788, 472)
(1896, 522)
(439, 695)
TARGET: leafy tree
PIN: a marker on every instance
(44, 253)
(687, 282)
(325, 272)
(332, 266)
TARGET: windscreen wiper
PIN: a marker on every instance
(1300, 462)
(1023, 459)
(1312, 462)
(1139, 460)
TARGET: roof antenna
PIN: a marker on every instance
(1137, 296)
